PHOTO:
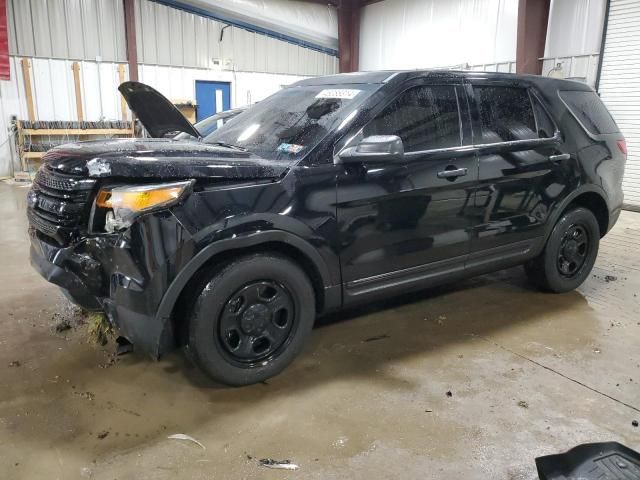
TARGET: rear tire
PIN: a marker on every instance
(569, 254)
(251, 319)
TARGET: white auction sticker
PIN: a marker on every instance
(346, 93)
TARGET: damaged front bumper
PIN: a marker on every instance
(125, 275)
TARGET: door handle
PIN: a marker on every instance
(458, 172)
(557, 158)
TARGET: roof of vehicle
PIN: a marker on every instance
(392, 76)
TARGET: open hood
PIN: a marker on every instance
(158, 115)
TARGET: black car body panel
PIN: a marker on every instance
(160, 159)
(359, 230)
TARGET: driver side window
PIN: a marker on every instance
(424, 117)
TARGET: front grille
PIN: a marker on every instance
(59, 204)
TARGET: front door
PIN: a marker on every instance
(212, 98)
(401, 224)
(520, 168)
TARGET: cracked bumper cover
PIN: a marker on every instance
(126, 275)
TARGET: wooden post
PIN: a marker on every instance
(76, 80)
(26, 77)
(123, 104)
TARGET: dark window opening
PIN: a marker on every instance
(425, 118)
(590, 111)
(506, 114)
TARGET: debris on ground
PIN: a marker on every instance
(100, 330)
(523, 404)
(449, 393)
(634, 423)
(67, 317)
(428, 411)
(182, 436)
(377, 337)
(102, 435)
(278, 464)
(63, 326)
(112, 359)
(15, 363)
(86, 395)
(441, 319)
(610, 278)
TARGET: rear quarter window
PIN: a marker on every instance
(589, 111)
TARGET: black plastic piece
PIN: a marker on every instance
(601, 461)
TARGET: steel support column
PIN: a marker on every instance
(533, 16)
(130, 33)
(348, 35)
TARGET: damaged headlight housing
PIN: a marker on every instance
(122, 204)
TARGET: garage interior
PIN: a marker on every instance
(470, 380)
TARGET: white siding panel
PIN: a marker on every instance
(176, 48)
(42, 89)
(109, 96)
(620, 85)
(90, 29)
(24, 28)
(64, 100)
(59, 44)
(91, 91)
(13, 48)
(41, 31)
(73, 23)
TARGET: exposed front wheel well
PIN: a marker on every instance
(187, 297)
(597, 205)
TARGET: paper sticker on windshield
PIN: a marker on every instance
(344, 93)
(290, 148)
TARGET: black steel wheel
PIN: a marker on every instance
(256, 322)
(573, 250)
(251, 318)
(569, 254)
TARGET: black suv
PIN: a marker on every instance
(334, 191)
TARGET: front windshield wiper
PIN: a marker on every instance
(229, 145)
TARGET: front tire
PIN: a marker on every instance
(251, 319)
(569, 254)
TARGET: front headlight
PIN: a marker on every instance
(123, 204)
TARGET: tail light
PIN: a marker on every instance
(622, 145)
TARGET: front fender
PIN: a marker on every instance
(163, 315)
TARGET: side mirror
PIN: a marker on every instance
(374, 149)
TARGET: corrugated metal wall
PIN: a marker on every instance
(69, 29)
(167, 36)
(94, 30)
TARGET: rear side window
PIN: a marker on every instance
(506, 114)
(424, 118)
(589, 111)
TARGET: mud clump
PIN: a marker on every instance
(100, 330)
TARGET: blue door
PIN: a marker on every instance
(212, 97)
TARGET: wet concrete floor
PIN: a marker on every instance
(528, 374)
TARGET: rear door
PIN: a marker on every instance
(401, 224)
(521, 169)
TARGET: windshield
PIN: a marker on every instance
(291, 122)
